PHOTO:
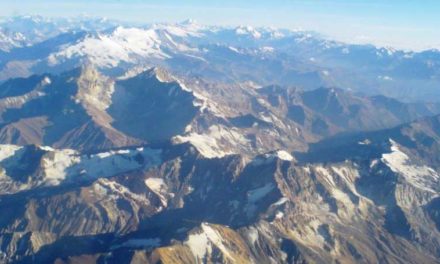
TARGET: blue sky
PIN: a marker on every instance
(408, 24)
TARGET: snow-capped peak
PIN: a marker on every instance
(248, 30)
(109, 50)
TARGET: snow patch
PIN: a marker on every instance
(7, 151)
(54, 166)
(422, 177)
(159, 187)
(281, 201)
(284, 155)
(113, 190)
(373, 163)
(202, 243)
(61, 165)
(364, 142)
(206, 145)
(234, 49)
(215, 142)
(46, 81)
(20, 100)
(279, 215)
(269, 157)
(252, 234)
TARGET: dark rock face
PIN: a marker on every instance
(146, 108)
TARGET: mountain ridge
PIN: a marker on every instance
(275, 56)
(340, 186)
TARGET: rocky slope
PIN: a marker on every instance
(88, 111)
(378, 206)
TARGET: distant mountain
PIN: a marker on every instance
(25, 31)
(264, 56)
(328, 111)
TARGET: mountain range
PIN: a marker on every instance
(185, 143)
(262, 56)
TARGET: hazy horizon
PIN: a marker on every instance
(405, 25)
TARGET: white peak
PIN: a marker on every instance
(248, 30)
(109, 50)
(182, 30)
(284, 155)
